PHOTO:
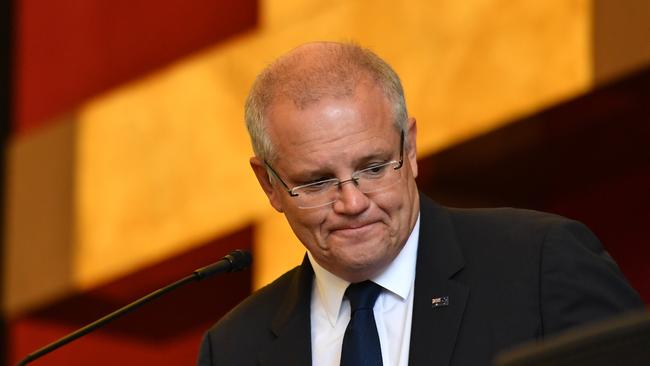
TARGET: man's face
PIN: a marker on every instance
(358, 235)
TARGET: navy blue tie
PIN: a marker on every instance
(361, 341)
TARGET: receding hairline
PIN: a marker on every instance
(313, 71)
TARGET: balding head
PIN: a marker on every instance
(312, 72)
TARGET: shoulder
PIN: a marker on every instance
(259, 308)
(504, 241)
(498, 219)
(554, 260)
(247, 327)
(507, 217)
(532, 237)
(498, 240)
(520, 229)
(515, 229)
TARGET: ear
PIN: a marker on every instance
(262, 175)
(411, 153)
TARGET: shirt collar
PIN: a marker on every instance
(397, 277)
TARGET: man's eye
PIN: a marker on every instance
(316, 186)
(377, 169)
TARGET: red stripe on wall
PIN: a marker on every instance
(68, 50)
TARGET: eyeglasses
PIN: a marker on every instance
(374, 178)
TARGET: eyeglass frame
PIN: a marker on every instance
(291, 192)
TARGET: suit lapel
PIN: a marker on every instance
(292, 325)
(435, 328)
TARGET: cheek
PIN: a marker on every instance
(305, 223)
(391, 204)
(396, 209)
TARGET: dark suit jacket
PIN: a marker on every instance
(510, 276)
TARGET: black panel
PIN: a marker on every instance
(6, 21)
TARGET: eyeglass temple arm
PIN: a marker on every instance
(286, 187)
(292, 194)
(401, 151)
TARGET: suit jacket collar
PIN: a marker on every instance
(292, 325)
(435, 328)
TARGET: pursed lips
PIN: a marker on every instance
(352, 228)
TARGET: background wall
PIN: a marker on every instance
(126, 155)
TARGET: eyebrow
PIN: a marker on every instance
(327, 172)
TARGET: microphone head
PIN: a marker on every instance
(239, 259)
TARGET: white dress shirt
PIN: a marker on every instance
(330, 312)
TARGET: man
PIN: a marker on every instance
(335, 152)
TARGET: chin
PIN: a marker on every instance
(357, 272)
(356, 258)
(365, 260)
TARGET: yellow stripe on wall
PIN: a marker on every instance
(162, 164)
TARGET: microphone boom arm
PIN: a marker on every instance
(235, 261)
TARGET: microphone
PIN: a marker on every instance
(236, 260)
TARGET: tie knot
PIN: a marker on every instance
(363, 295)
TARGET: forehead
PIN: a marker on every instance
(332, 130)
(292, 120)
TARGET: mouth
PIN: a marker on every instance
(353, 230)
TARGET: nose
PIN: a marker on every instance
(351, 200)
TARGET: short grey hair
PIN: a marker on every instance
(314, 71)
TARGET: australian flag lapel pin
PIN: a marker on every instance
(438, 302)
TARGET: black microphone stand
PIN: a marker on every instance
(235, 261)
